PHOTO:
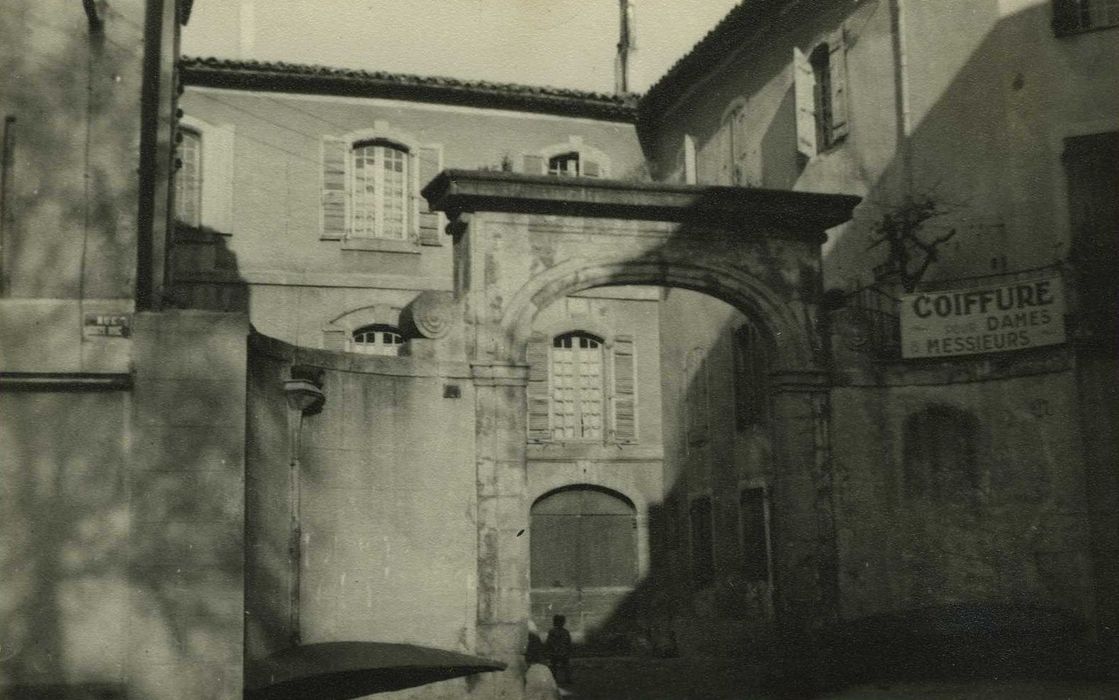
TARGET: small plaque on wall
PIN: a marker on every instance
(106, 325)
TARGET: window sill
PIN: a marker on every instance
(380, 245)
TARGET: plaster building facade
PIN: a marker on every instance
(959, 478)
(417, 360)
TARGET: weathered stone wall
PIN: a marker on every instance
(1021, 535)
(386, 504)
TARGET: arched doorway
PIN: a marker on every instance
(583, 556)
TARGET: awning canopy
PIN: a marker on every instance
(341, 670)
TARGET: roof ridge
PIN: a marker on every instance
(309, 70)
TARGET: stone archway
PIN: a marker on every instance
(522, 242)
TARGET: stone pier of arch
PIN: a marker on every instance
(522, 242)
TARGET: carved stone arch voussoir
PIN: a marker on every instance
(736, 287)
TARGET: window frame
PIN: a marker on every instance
(767, 536)
(380, 329)
(381, 146)
(603, 403)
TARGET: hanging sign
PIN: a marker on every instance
(1013, 316)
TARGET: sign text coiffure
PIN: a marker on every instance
(1013, 316)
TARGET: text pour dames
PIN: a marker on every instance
(985, 320)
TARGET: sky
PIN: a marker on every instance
(559, 43)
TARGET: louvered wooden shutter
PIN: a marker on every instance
(334, 191)
(837, 65)
(625, 389)
(429, 164)
(805, 83)
(591, 169)
(539, 418)
(533, 164)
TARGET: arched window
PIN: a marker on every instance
(571, 159)
(940, 454)
(577, 384)
(188, 179)
(565, 164)
(377, 339)
(380, 190)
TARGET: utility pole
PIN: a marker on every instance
(627, 44)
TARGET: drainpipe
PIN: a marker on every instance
(903, 111)
(303, 396)
(6, 164)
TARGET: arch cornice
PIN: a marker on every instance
(665, 269)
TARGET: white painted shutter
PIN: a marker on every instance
(335, 152)
(217, 185)
(725, 173)
(625, 389)
(689, 160)
(429, 164)
(837, 64)
(539, 418)
(805, 84)
(533, 164)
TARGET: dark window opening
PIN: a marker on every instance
(1073, 16)
(703, 553)
(821, 70)
(377, 339)
(755, 534)
(751, 377)
(940, 454)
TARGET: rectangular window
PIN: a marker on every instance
(695, 396)
(576, 387)
(703, 553)
(1073, 16)
(753, 511)
(751, 377)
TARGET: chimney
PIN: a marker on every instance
(627, 44)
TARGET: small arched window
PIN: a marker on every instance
(377, 339)
(380, 190)
(188, 179)
(940, 454)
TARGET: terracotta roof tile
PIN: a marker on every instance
(276, 76)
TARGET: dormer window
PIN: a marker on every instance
(571, 159)
(565, 164)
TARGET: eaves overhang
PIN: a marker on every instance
(266, 76)
(800, 214)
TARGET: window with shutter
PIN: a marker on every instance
(380, 190)
(625, 389)
(577, 387)
(752, 358)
